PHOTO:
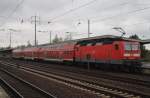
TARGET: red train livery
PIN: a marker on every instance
(106, 49)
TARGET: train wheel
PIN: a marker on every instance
(134, 69)
(139, 70)
(119, 68)
(126, 68)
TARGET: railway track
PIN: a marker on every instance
(10, 90)
(21, 88)
(85, 85)
(57, 88)
(126, 78)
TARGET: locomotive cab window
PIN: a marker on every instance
(84, 43)
(107, 41)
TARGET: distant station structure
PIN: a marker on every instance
(6, 52)
(147, 41)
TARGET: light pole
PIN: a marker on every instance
(10, 36)
(88, 27)
(35, 21)
(50, 36)
(10, 40)
(70, 35)
(10, 30)
(35, 30)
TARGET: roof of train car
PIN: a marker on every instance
(109, 37)
(7, 50)
(85, 39)
(92, 38)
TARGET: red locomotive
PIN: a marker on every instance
(111, 50)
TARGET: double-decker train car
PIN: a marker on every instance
(104, 50)
(54, 52)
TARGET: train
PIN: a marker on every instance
(107, 50)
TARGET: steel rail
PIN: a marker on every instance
(127, 95)
(89, 86)
(12, 89)
(29, 84)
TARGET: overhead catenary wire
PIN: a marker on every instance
(56, 17)
(134, 23)
(97, 20)
(13, 11)
(127, 25)
(118, 15)
(72, 10)
(112, 6)
(115, 5)
(130, 12)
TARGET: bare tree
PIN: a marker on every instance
(57, 39)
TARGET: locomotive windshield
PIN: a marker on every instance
(132, 46)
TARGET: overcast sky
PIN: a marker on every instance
(71, 16)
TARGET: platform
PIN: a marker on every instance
(3, 94)
(146, 65)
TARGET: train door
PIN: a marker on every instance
(107, 49)
(77, 53)
(109, 55)
(115, 52)
(38, 53)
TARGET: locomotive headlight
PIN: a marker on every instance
(126, 54)
(137, 54)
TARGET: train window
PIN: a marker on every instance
(99, 43)
(135, 47)
(116, 46)
(89, 44)
(128, 46)
(84, 43)
(107, 41)
(94, 43)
